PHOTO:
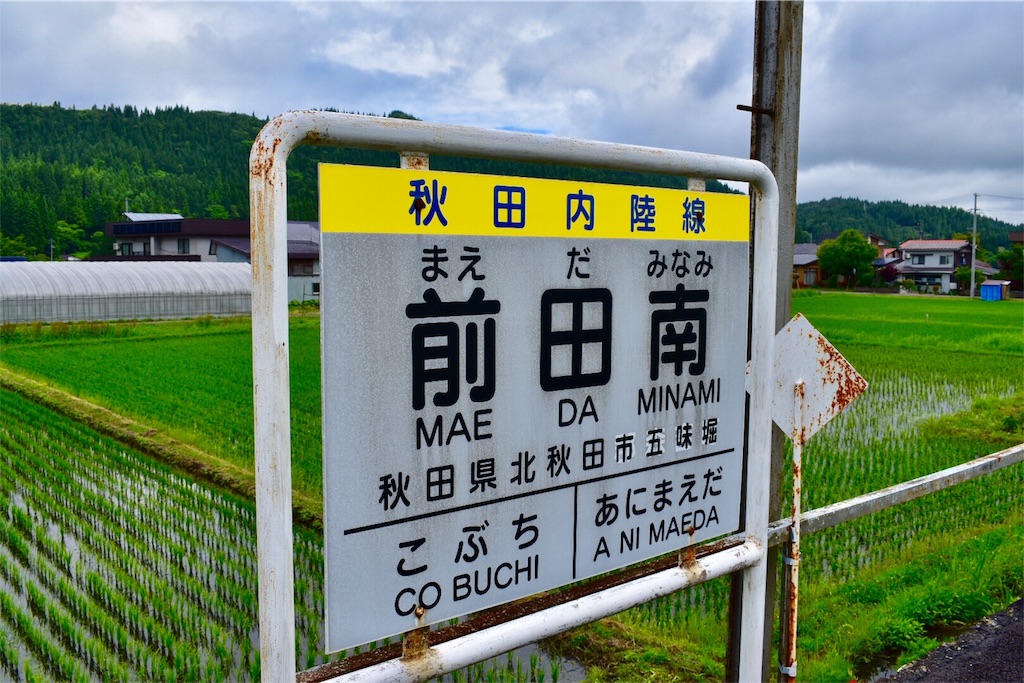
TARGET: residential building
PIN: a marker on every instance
(805, 266)
(933, 263)
(807, 272)
(303, 257)
(170, 237)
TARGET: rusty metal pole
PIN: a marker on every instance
(268, 193)
(774, 135)
(415, 646)
(787, 650)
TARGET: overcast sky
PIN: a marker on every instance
(921, 102)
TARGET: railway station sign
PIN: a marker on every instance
(525, 383)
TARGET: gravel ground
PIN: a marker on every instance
(992, 651)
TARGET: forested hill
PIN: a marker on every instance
(895, 221)
(66, 172)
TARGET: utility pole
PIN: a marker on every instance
(974, 242)
(774, 134)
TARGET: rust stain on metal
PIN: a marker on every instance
(799, 392)
(262, 167)
(415, 644)
(838, 372)
(415, 162)
(791, 626)
(264, 161)
(718, 546)
(694, 571)
(422, 662)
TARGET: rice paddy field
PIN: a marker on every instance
(933, 365)
(116, 567)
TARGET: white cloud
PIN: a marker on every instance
(377, 51)
(534, 30)
(134, 28)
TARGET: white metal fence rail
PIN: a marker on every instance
(699, 571)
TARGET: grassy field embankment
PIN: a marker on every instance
(180, 391)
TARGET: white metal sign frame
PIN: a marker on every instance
(271, 387)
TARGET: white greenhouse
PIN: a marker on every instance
(76, 291)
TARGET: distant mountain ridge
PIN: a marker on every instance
(66, 172)
(895, 222)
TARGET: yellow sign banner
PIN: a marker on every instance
(371, 199)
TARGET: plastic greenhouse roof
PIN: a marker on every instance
(63, 279)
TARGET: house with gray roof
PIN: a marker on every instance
(147, 237)
(805, 266)
(931, 263)
(303, 257)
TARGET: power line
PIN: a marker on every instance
(949, 199)
(999, 196)
(940, 202)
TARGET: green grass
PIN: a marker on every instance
(938, 324)
(899, 609)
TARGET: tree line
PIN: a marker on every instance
(896, 222)
(65, 172)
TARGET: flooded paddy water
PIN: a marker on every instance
(113, 566)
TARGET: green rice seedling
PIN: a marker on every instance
(15, 543)
(128, 612)
(32, 677)
(10, 657)
(43, 646)
(254, 669)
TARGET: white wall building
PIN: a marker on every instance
(170, 237)
(931, 263)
